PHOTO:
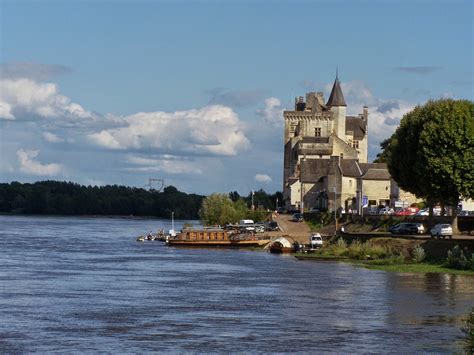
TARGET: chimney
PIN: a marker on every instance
(365, 112)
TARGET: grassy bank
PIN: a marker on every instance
(394, 255)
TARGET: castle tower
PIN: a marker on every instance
(337, 105)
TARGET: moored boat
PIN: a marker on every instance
(217, 237)
(281, 245)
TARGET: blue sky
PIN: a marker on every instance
(114, 92)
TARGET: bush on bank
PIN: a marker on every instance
(380, 252)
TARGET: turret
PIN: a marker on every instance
(337, 105)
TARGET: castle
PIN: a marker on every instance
(326, 157)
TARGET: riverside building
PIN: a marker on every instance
(326, 157)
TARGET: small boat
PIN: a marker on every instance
(215, 237)
(281, 245)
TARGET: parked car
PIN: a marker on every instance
(272, 226)
(442, 230)
(407, 211)
(423, 212)
(315, 241)
(259, 229)
(314, 210)
(297, 217)
(386, 210)
(407, 228)
(281, 210)
(247, 224)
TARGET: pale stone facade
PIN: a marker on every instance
(326, 157)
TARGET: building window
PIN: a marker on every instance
(317, 132)
(355, 144)
(292, 128)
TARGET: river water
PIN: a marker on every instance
(85, 285)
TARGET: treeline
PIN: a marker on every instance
(67, 198)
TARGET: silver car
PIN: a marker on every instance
(442, 230)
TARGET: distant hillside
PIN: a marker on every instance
(67, 198)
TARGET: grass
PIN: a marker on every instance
(381, 254)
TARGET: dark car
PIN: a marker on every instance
(407, 228)
(297, 217)
(281, 210)
(272, 226)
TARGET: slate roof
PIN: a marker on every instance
(374, 171)
(349, 168)
(336, 98)
(366, 166)
(357, 125)
(314, 169)
(376, 174)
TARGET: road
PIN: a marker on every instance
(298, 231)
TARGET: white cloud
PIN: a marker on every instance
(272, 112)
(211, 130)
(30, 166)
(25, 97)
(384, 114)
(167, 164)
(52, 138)
(263, 178)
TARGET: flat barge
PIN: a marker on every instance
(215, 237)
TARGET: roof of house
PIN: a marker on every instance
(336, 98)
(357, 125)
(350, 168)
(376, 174)
(314, 169)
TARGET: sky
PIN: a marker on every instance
(193, 92)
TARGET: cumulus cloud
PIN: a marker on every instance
(29, 166)
(263, 178)
(422, 69)
(32, 70)
(211, 130)
(384, 114)
(272, 112)
(237, 98)
(166, 163)
(52, 138)
(21, 98)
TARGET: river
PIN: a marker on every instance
(85, 285)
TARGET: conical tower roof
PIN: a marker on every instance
(336, 98)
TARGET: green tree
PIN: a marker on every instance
(431, 154)
(218, 209)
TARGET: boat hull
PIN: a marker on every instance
(218, 243)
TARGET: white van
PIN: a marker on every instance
(315, 241)
(247, 224)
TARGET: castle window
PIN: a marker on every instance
(317, 132)
(355, 144)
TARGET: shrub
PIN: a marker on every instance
(341, 243)
(418, 254)
(458, 260)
